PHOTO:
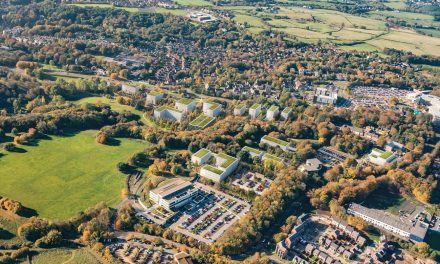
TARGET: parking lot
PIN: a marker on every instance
(205, 218)
(331, 157)
(209, 215)
(138, 251)
(251, 181)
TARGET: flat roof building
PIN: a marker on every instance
(414, 231)
(154, 97)
(173, 195)
(212, 109)
(272, 112)
(201, 156)
(169, 113)
(186, 105)
(255, 110)
(380, 157)
(240, 110)
(224, 166)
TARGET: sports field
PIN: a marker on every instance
(64, 175)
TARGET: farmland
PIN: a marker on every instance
(58, 178)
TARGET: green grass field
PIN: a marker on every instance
(193, 2)
(78, 256)
(111, 102)
(64, 175)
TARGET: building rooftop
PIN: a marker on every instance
(253, 150)
(287, 110)
(272, 157)
(155, 93)
(163, 108)
(228, 160)
(201, 153)
(202, 121)
(213, 105)
(171, 188)
(213, 169)
(185, 101)
(240, 106)
(276, 140)
(255, 106)
(383, 154)
(418, 228)
(273, 108)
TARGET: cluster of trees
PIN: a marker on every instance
(10, 205)
(264, 214)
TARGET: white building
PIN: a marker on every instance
(380, 157)
(328, 95)
(255, 110)
(311, 165)
(240, 110)
(287, 112)
(130, 89)
(272, 112)
(224, 166)
(212, 109)
(168, 113)
(186, 105)
(414, 231)
(154, 97)
(431, 102)
(173, 195)
(201, 156)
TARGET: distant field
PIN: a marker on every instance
(193, 2)
(350, 32)
(69, 256)
(64, 175)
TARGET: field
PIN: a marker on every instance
(349, 32)
(112, 103)
(65, 256)
(64, 175)
(193, 2)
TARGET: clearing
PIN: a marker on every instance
(65, 175)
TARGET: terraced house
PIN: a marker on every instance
(223, 167)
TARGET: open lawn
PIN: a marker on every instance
(64, 175)
(77, 256)
(111, 102)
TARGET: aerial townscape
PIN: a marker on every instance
(219, 131)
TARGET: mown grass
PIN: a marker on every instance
(65, 175)
(78, 256)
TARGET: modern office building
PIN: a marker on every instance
(224, 166)
(154, 97)
(272, 112)
(414, 230)
(201, 156)
(327, 96)
(212, 109)
(186, 105)
(380, 157)
(168, 113)
(255, 110)
(240, 110)
(286, 113)
(173, 195)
